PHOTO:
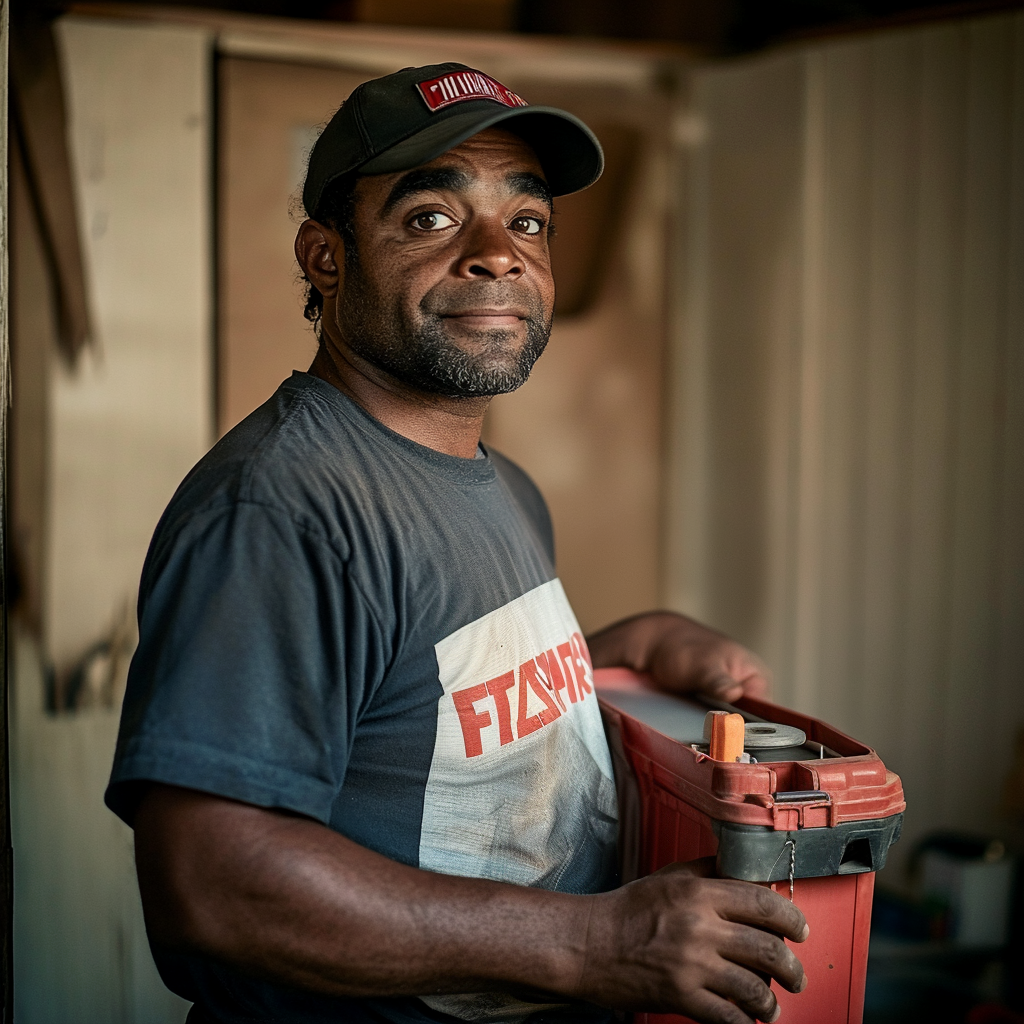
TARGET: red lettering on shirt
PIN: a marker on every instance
(526, 724)
(498, 688)
(549, 660)
(473, 722)
(563, 668)
(581, 665)
(529, 673)
(565, 657)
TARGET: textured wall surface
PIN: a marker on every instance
(269, 114)
(847, 487)
(125, 426)
(132, 420)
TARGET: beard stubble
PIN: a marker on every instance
(423, 356)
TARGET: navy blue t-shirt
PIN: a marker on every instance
(340, 622)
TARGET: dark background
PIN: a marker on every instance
(715, 27)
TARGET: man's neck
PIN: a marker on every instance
(448, 425)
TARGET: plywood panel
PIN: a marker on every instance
(269, 114)
(936, 301)
(33, 331)
(970, 679)
(1010, 593)
(838, 152)
(894, 593)
(745, 187)
(124, 426)
(134, 416)
(883, 415)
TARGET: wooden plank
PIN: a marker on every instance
(135, 415)
(935, 298)
(684, 572)
(125, 428)
(268, 118)
(39, 121)
(752, 174)
(808, 508)
(895, 81)
(838, 477)
(967, 794)
(374, 50)
(1009, 670)
(6, 850)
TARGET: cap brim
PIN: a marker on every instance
(566, 148)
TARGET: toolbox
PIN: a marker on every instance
(808, 811)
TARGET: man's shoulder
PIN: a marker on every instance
(528, 496)
(515, 478)
(289, 456)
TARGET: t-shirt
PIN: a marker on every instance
(343, 623)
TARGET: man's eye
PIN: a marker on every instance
(432, 221)
(526, 225)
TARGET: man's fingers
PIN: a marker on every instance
(765, 954)
(758, 684)
(748, 992)
(709, 1008)
(723, 687)
(747, 903)
(730, 682)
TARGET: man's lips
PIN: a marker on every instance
(487, 317)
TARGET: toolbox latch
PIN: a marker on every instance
(803, 796)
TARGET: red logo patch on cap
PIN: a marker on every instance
(459, 86)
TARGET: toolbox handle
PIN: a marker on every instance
(801, 796)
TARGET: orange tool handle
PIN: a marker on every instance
(725, 742)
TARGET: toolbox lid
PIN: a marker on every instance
(829, 779)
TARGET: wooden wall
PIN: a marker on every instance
(269, 113)
(848, 433)
(120, 429)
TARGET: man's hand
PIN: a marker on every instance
(681, 655)
(293, 901)
(676, 942)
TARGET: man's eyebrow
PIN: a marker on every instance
(529, 184)
(450, 179)
(436, 179)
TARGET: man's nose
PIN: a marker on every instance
(489, 252)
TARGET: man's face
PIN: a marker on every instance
(451, 292)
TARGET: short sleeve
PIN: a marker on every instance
(256, 654)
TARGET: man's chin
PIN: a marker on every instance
(482, 341)
(468, 377)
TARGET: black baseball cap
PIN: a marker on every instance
(409, 118)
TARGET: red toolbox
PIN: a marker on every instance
(814, 808)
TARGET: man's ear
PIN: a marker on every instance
(320, 252)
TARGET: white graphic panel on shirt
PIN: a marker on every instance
(520, 786)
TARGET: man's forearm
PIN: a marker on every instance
(293, 900)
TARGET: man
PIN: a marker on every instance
(360, 745)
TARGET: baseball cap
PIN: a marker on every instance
(411, 117)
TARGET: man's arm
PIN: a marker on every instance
(292, 900)
(681, 655)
